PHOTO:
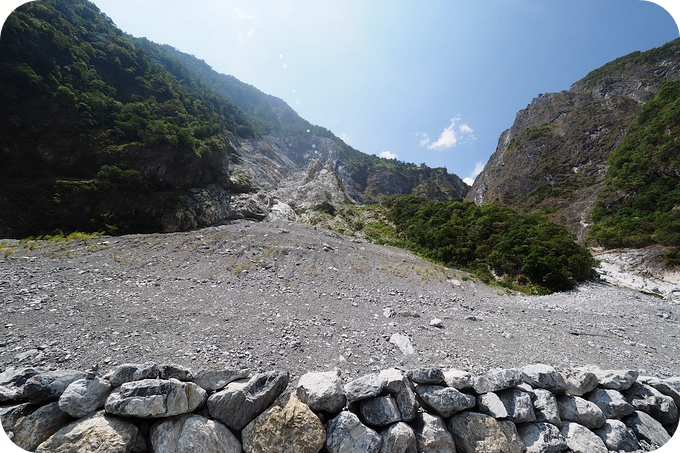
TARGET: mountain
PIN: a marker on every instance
(101, 131)
(564, 154)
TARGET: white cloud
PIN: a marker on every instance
(388, 155)
(450, 137)
(471, 178)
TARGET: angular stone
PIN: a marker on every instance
(497, 380)
(544, 377)
(579, 381)
(518, 405)
(97, 432)
(403, 343)
(10, 415)
(346, 433)
(446, 401)
(192, 432)
(368, 386)
(241, 401)
(407, 401)
(474, 432)
(669, 387)
(647, 399)
(546, 408)
(490, 404)
(398, 438)
(322, 391)
(154, 398)
(433, 376)
(616, 379)
(392, 379)
(174, 371)
(647, 429)
(380, 411)
(129, 372)
(611, 402)
(287, 427)
(581, 411)
(431, 434)
(460, 380)
(582, 440)
(542, 438)
(12, 382)
(212, 380)
(84, 396)
(617, 436)
(50, 385)
(37, 427)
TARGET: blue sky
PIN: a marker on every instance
(433, 81)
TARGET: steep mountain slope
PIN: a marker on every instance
(555, 156)
(102, 131)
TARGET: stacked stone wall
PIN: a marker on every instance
(146, 407)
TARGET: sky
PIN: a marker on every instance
(429, 81)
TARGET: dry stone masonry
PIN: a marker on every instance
(169, 408)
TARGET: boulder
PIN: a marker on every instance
(582, 440)
(399, 438)
(174, 371)
(84, 396)
(286, 427)
(97, 432)
(646, 398)
(406, 400)
(10, 415)
(669, 387)
(611, 402)
(129, 372)
(617, 436)
(542, 438)
(36, 428)
(241, 401)
(346, 433)
(518, 405)
(546, 408)
(49, 386)
(431, 434)
(490, 404)
(192, 432)
(647, 429)
(460, 380)
(616, 379)
(12, 382)
(496, 380)
(474, 432)
(579, 381)
(380, 411)
(322, 391)
(427, 376)
(446, 401)
(392, 379)
(154, 398)
(578, 410)
(212, 380)
(367, 386)
(403, 343)
(544, 377)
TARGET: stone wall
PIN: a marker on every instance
(146, 407)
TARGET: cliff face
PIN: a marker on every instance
(554, 157)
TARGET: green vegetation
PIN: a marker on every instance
(528, 253)
(640, 204)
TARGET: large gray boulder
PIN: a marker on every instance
(154, 398)
(192, 432)
(399, 438)
(647, 430)
(546, 408)
(98, 432)
(345, 433)
(84, 396)
(431, 375)
(582, 440)
(617, 436)
(646, 398)
(431, 434)
(241, 401)
(36, 428)
(458, 379)
(445, 401)
(12, 382)
(406, 400)
(544, 377)
(380, 411)
(174, 371)
(542, 438)
(496, 380)
(212, 380)
(611, 402)
(579, 381)
(474, 432)
(581, 411)
(129, 372)
(368, 386)
(616, 379)
(49, 386)
(491, 405)
(669, 386)
(518, 405)
(322, 391)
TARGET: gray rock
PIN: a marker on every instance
(546, 408)
(12, 382)
(174, 371)
(616, 379)
(544, 377)
(647, 429)
(669, 387)
(474, 432)
(431, 434)
(582, 440)
(97, 432)
(154, 398)
(403, 343)
(191, 432)
(84, 396)
(10, 415)
(392, 379)
(578, 410)
(241, 401)
(368, 386)
(39, 426)
(611, 402)
(647, 399)
(406, 400)
(542, 438)
(398, 438)
(427, 376)
(446, 401)
(617, 436)
(579, 381)
(212, 380)
(518, 405)
(380, 411)
(129, 372)
(322, 391)
(50, 385)
(345, 433)
(490, 404)
(460, 380)
(497, 380)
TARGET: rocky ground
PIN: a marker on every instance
(292, 297)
